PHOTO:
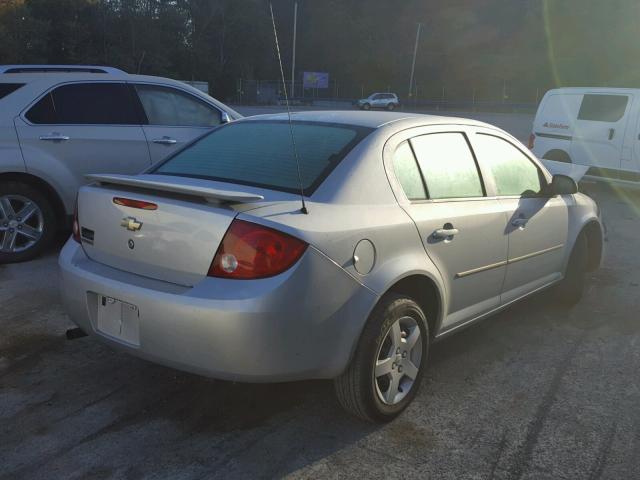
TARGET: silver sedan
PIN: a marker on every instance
(412, 228)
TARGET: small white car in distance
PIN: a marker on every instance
(594, 127)
(388, 101)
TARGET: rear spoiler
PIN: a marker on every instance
(183, 185)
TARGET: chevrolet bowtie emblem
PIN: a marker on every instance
(131, 224)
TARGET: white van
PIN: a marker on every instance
(595, 127)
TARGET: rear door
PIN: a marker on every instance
(173, 117)
(536, 226)
(599, 131)
(461, 228)
(80, 128)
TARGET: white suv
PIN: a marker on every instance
(388, 101)
(59, 123)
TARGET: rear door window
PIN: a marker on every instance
(513, 172)
(9, 88)
(603, 108)
(408, 173)
(86, 104)
(448, 166)
(260, 153)
(172, 107)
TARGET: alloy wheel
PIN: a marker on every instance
(21, 223)
(398, 361)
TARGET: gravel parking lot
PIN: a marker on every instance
(535, 392)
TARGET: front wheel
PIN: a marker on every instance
(366, 106)
(27, 222)
(385, 372)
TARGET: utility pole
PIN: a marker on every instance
(413, 63)
(293, 60)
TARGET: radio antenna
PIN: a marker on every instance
(286, 101)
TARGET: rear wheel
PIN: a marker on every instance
(391, 107)
(386, 370)
(557, 156)
(569, 290)
(27, 222)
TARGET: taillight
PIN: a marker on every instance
(76, 225)
(250, 251)
(532, 141)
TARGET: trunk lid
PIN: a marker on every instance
(176, 242)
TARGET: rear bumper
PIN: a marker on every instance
(301, 324)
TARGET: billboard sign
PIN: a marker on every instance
(315, 80)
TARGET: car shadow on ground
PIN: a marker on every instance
(81, 399)
(82, 409)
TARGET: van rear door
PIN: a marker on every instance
(600, 128)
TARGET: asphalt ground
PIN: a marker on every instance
(536, 392)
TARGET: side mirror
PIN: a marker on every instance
(563, 185)
(224, 117)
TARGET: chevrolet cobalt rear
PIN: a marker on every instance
(413, 227)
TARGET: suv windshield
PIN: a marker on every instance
(260, 153)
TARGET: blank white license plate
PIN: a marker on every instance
(119, 320)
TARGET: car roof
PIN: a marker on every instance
(593, 89)
(365, 119)
(22, 69)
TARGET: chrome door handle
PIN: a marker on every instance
(519, 222)
(165, 141)
(445, 233)
(612, 133)
(54, 137)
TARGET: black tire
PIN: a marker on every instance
(357, 388)
(391, 107)
(569, 290)
(366, 106)
(48, 217)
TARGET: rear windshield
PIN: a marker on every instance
(260, 153)
(7, 88)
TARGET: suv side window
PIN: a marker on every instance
(172, 107)
(85, 104)
(603, 108)
(447, 165)
(9, 88)
(408, 173)
(513, 172)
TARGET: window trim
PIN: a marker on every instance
(541, 172)
(392, 142)
(146, 123)
(51, 88)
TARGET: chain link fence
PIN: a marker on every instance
(498, 97)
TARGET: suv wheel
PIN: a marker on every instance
(391, 106)
(386, 370)
(366, 106)
(27, 222)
